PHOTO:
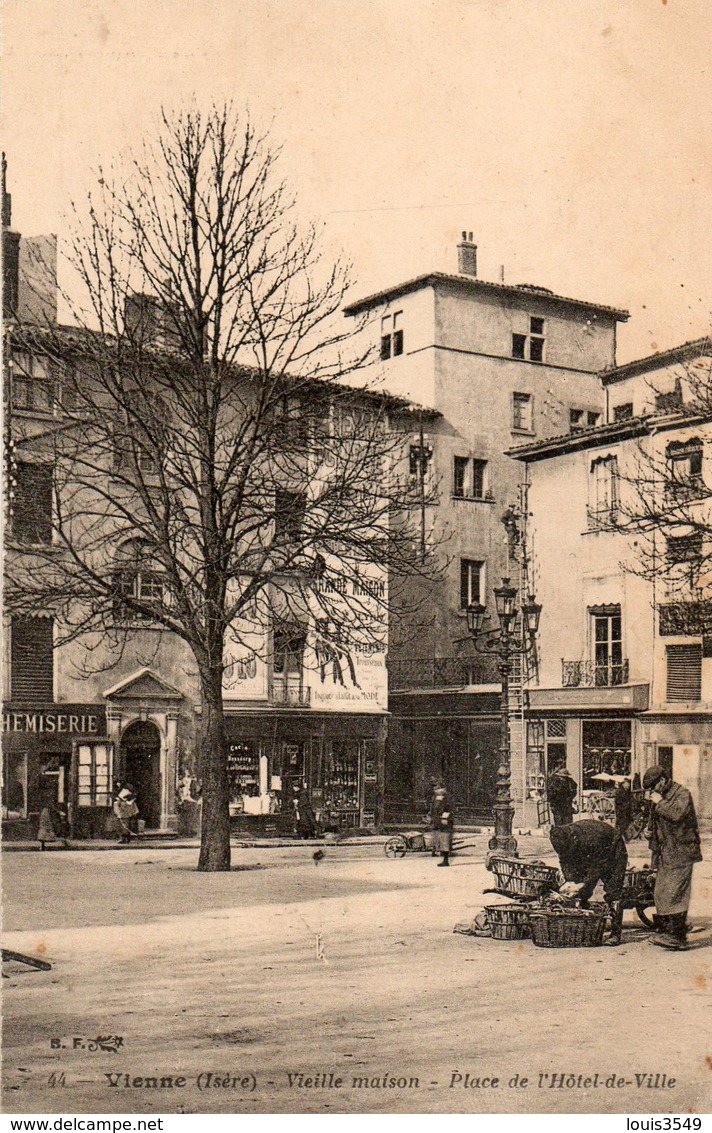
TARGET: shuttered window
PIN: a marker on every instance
(32, 503)
(32, 660)
(684, 672)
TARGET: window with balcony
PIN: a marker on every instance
(684, 672)
(391, 335)
(287, 668)
(31, 502)
(608, 668)
(471, 582)
(603, 492)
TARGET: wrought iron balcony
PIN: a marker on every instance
(289, 695)
(438, 672)
(593, 674)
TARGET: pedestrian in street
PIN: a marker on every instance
(126, 810)
(442, 824)
(561, 791)
(675, 846)
(589, 852)
(304, 817)
(624, 804)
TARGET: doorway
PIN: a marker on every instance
(141, 763)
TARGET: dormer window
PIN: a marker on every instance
(391, 335)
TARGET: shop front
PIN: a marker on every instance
(337, 758)
(56, 757)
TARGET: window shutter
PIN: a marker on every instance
(32, 505)
(684, 672)
(32, 660)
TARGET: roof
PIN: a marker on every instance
(78, 339)
(604, 435)
(683, 353)
(472, 284)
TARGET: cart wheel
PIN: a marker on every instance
(641, 910)
(395, 847)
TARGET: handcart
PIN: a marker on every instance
(639, 892)
(414, 842)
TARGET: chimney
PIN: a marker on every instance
(467, 255)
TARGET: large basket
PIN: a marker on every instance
(508, 922)
(567, 928)
(523, 879)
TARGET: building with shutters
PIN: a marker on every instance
(620, 526)
(302, 703)
(498, 364)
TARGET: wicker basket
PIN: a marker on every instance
(508, 922)
(567, 928)
(523, 879)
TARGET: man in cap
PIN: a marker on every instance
(561, 790)
(675, 845)
(589, 852)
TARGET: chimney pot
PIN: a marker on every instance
(467, 255)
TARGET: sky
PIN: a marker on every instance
(572, 137)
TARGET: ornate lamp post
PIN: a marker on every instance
(505, 644)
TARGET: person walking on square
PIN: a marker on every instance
(675, 846)
(561, 791)
(442, 823)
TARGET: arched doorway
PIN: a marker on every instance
(141, 761)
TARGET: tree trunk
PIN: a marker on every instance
(215, 828)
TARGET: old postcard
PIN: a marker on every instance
(358, 526)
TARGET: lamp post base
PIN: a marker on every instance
(503, 840)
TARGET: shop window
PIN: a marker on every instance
(14, 791)
(471, 582)
(522, 412)
(94, 774)
(684, 672)
(391, 335)
(243, 770)
(32, 660)
(603, 492)
(606, 751)
(341, 779)
(31, 502)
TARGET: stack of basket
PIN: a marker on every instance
(550, 925)
(523, 879)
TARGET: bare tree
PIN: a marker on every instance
(665, 502)
(207, 443)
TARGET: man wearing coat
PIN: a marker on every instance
(561, 791)
(589, 852)
(675, 845)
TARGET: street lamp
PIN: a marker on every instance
(502, 644)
